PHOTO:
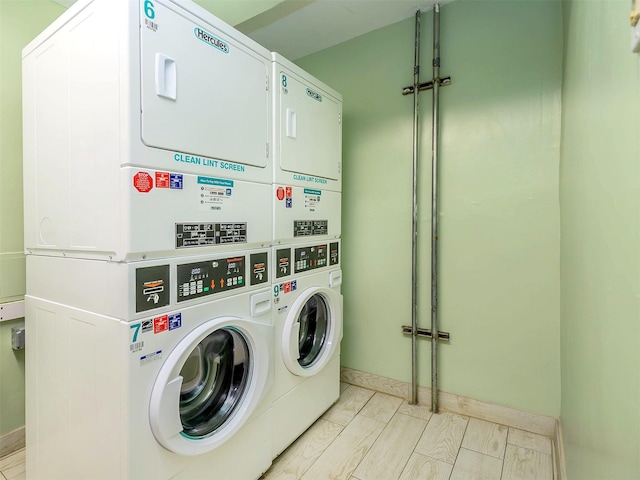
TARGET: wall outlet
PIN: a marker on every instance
(17, 338)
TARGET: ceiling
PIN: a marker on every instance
(295, 28)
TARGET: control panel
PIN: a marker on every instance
(204, 234)
(334, 253)
(208, 277)
(283, 262)
(310, 258)
(152, 287)
(308, 228)
(259, 268)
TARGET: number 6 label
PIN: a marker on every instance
(148, 9)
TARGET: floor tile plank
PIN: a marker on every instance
(526, 464)
(388, 456)
(418, 411)
(472, 465)
(420, 467)
(297, 459)
(381, 407)
(13, 466)
(486, 438)
(533, 441)
(443, 436)
(343, 456)
(348, 405)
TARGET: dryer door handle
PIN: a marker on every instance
(292, 123)
(166, 78)
(260, 303)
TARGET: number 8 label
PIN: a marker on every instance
(284, 80)
(148, 9)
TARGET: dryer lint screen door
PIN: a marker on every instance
(310, 130)
(202, 93)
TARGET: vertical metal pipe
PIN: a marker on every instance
(414, 232)
(434, 209)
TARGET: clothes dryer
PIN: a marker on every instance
(177, 391)
(307, 165)
(307, 313)
(146, 133)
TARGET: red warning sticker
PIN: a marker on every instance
(280, 193)
(161, 324)
(143, 182)
(287, 287)
(289, 192)
(162, 180)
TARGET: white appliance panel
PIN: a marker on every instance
(305, 213)
(89, 385)
(310, 128)
(92, 285)
(83, 127)
(203, 92)
(138, 217)
(307, 316)
(307, 128)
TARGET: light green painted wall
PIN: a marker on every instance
(500, 231)
(20, 21)
(600, 199)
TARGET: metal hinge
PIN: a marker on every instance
(427, 85)
(425, 332)
(267, 149)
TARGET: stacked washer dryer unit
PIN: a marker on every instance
(148, 237)
(307, 194)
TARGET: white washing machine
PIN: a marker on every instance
(307, 164)
(147, 130)
(178, 390)
(307, 312)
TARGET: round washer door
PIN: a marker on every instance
(312, 331)
(209, 385)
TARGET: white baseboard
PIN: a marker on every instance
(510, 417)
(12, 441)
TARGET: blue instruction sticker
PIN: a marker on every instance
(289, 202)
(175, 321)
(175, 181)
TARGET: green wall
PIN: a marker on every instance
(600, 199)
(20, 21)
(500, 226)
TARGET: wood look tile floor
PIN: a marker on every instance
(369, 435)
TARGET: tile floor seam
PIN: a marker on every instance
(413, 450)
(461, 442)
(502, 466)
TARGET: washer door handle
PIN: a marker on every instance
(294, 337)
(165, 414)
